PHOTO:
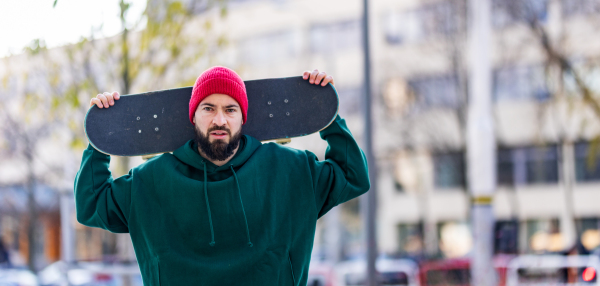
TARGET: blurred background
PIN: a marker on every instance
(545, 106)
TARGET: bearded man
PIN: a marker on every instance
(224, 208)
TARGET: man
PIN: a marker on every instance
(223, 209)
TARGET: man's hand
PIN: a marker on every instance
(316, 77)
(106, 99)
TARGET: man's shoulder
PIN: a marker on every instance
(279, 150)
(157, 160)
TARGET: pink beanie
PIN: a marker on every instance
(219, 80)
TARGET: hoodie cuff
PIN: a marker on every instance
(333, 127)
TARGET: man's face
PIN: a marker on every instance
(218, 120)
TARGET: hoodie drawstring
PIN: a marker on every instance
(212, 232)
(242, 203)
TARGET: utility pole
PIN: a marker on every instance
(481, 143)
(368, 202)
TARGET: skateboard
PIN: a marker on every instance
(158, 122)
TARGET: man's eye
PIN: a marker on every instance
(231, 110)
(207, 108)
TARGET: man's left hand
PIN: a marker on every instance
(316, 77)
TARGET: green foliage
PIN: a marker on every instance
(139, 60)
(593, 153)
(35, 47)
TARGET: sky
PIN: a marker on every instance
(22, 21)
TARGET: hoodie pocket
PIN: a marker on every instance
(275, 267)
(292, 269)
(150, 272)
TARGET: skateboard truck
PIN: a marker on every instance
(283, 141)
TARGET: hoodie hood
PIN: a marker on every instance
(188, 154)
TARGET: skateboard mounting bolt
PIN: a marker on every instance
(287, 113)
(286, 101)
(138, 118)
(156, 129)
(269, 103)
(155, 116)
(270, 115)
(139, 131)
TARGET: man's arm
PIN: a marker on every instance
(100, 200)
(344, 173)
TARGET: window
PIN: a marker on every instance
(587, 163)
(505, 168)
(269, 48)
(543, 235)
(580, 7)
(520, 83)
(527, 165)
(436, 91)
(335, 37)
(542, 165)
(442, 18)
(449, 170)
(507, 12)
(410, 239)
(506, 235)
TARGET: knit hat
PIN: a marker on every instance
(219, 80)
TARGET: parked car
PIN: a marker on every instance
(392, 272)
(321, 274)
(553, 269)
(454, 272)
(457, 271)
(89, 274)
(17, 277)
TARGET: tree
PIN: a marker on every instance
(163, 50)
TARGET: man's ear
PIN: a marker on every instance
(194, 119)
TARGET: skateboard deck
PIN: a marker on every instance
(158, 122)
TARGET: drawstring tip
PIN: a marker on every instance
(212, 243)
(250, 244)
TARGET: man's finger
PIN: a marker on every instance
(328, 79)
(116, 95)
(97, 102)
(313, 76)
(109, 98)
(305, 75)
(320, 77)
(103, 99)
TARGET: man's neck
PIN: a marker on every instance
(216, 162)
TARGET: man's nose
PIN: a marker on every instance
(219, 119)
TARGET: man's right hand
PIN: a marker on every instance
(106, 99)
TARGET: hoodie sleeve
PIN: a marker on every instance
(100, 200)
(343, 175)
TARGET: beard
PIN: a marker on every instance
(218, 150)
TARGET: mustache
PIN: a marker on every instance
(221, 128)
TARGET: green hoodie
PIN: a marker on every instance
(249, 222)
